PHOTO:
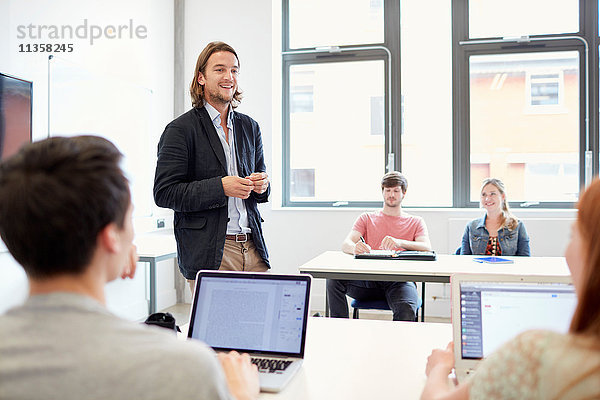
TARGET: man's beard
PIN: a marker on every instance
(217, 97)
(395, 203)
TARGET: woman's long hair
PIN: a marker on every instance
(586, 319)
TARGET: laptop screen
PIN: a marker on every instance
(263, 313)
(491, 313)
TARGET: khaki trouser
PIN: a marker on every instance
(239, 256)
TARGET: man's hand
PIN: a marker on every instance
(361, 247)
(443, 359)
(241, 375)
(260, 181)
(390, 243)
(234, 186)
(129, 269)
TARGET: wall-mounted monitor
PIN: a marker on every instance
(15, 114)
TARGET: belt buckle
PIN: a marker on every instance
(242, 235)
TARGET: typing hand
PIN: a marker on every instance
(129, 269)
(441, 359)
(234, 186)
(260, 181)
(241, 375)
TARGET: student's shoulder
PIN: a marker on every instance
(369, 216)
(194, 367)
(475, 223)
(412, 218)
(534, 343)
(168, 345)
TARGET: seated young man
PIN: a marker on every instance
(388, 229)
(65, 216)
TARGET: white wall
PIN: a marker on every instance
(142, 62)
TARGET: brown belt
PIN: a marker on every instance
(240, 237)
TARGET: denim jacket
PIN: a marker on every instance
(512, 242)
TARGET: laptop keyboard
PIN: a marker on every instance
(270, 365)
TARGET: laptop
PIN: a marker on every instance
(261, 314)
(489, 310)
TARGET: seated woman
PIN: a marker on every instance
(498, 232)
(543, 364)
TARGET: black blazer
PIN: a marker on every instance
(190, 165)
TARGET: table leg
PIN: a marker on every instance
(152, 302)
(423, 301)
(326, 302)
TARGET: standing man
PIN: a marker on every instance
(388, 229)
(211, 172)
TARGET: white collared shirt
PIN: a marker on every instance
(236, 210)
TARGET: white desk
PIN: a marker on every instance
(338, 265)
(364, 359)
(152, 248)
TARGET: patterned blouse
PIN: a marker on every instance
(540, 365)
(493, 247)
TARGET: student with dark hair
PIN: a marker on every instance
(388, 229)
(65, 216)
(543, 364)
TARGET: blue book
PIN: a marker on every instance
(493, 260)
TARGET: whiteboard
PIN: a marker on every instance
(83, 102)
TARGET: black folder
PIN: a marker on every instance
(401, 255)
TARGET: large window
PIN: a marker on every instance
(426, 87)
(340, 146)
(338, 73)
(522, 115)
(449, 95)
(505, 18)
(524, 124)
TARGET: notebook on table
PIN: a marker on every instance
(398, 255)
(261, 314)
(493, 260)
(488, 310)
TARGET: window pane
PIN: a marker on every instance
(501, 18)
(427, 102)
(335, 22)
(333, 150)
(524, 124)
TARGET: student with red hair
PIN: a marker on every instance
(543, 364)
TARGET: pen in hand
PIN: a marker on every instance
(365, 248)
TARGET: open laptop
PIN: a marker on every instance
(489, 310)
(262, 314)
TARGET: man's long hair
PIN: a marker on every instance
(196, 89)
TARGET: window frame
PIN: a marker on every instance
(348, 53)
(463, 47)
